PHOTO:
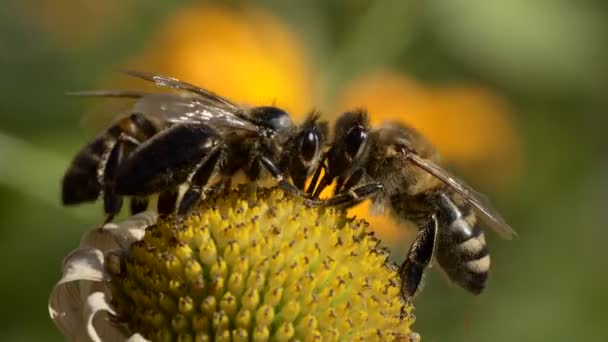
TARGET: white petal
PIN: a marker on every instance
(78, 303)
(137, 338)
(119, 235)
(65, 308)
(80, 269)
(100, 327)
(100, 239)
(83, 264)
(132, 229)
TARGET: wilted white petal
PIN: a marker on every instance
(80, 268)
(99, 326)
(83, 264)
(137, 338)
(100, 239)
(78, 303)
(65, 308)
(132, 229)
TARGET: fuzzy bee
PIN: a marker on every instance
(191, 136)
(414, 188)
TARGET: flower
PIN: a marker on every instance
(248, 265)
(244, 53)
(468, 124)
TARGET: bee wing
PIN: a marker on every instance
(185, 108)
(480, 202)
(181, 108)
(203, 106)
(166, 81)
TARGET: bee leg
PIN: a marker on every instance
(324, 183)
(106, 174)
(199, 180)
(353, 196)
(315, 178)
(340, 185)
(272, 168)
(351, 182)
(418, 258)
(167, 201)
(138, 205)
(112, 203)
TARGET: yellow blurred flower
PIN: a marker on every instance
(251, 56)
(245, 54)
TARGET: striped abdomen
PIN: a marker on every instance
(83, 179)
(461, 249)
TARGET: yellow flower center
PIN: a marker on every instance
(258, 265)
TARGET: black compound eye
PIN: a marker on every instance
(355, 141)
(310, 145)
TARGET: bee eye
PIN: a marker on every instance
(355, 141)
(310, 145)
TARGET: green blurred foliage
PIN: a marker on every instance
(548, 58)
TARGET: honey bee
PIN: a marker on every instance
(195, 137)
(404, 164)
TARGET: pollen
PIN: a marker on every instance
(260, 265)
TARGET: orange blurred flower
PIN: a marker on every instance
(253, 57)
(245, 54)
(470, 125)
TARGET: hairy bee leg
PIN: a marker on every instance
(418, 258)
(285, 185)
(111, 201)
(199, 180)
(351, 182)
(138, 205)
(353, 196)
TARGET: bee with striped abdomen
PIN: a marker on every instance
(192, 137)
(404, 164)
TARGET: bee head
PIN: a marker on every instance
(302, 151)
(272, 117)
(400, 140)
(311, 138)
(350, 141)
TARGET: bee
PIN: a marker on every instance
(414, 188)
(192, 136)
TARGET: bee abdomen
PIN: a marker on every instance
(80, 182)
(464, 255)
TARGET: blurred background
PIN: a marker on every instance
(513, 93)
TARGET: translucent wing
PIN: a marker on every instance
(184, 108)
(194, 105)
(481, 204)
(166, 81)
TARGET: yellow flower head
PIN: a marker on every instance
(254, 265)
